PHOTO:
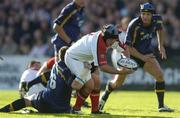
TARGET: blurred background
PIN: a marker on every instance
(26, 31)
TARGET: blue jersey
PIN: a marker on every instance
(140, 37)
(70, 19)
(58, 91)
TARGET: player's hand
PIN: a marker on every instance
(148, 57)
(162, 52)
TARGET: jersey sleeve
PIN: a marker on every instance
(50, 63)
(66, 13)
(101, 52)
(130, 33)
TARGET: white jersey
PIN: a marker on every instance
(85, 49)
(27, 76)
(90, 48)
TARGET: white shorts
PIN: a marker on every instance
(79, 68)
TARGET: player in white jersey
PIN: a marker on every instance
(91, 48)
(121, 48)
(27, 76)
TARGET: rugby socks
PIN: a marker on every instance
(105, 96)
(14, 106)
(160, 89)
(107, 92)
(94, 96)
(80, 99)
(43, 78)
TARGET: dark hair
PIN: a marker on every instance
(109, 31)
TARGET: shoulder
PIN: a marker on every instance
(135, 22)
(69, 7)
(157, 18)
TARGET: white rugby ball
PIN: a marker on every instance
(119, 60)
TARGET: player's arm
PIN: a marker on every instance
(102, 62)
(112, 70)
(139, 55)
(42, 69)
(22, 92)
(62, 19)
(47, 66)
(160, 37)
(60, 31)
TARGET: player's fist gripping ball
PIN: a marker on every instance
(119, 61)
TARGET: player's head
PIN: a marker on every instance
(110, 33)
(80, 3)
(147, 10)
(147, 7)
(62, 52)
(34, 64)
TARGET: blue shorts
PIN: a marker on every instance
(39, 104)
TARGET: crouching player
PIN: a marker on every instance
(138, 39)
(55, 98)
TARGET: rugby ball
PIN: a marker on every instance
(119, 61)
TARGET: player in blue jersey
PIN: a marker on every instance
(55, 98)
(138, 39)
(67, 25)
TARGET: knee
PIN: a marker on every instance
(97, 82)
(27, 102)
(76, 85)
(118, 81)
(112, 85)
(89, 85)
(160, 77)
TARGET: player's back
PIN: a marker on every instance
(58, 91)
(84, 48)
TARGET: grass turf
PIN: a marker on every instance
(120, 104)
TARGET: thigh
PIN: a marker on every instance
(139, 61)
(38, 103)
(153, 68)
(80, 69)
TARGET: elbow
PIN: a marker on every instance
(56, 27)
(102, 67)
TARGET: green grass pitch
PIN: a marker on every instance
(120, 104)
